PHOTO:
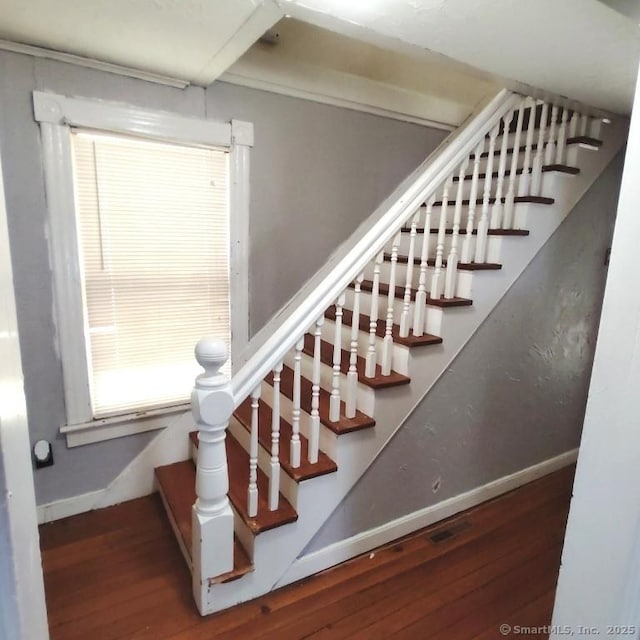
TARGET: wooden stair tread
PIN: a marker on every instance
(177, 484)
(379, 381)
(462, 266)
(517, 199)
(561, 168)
(497, 150)
(410, 341)
(383, 288)
(344, 425)
(593, 142)
(238, 461)
(462, 232)
(306, 469)
(588, 140)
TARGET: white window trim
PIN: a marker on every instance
(56, 115)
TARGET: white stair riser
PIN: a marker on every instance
(467, 184)
(464, 279)
(327, 438)
(365, 399)
(288, 486)
(405, 243)
(494, 243)
(484, 163)
(400, 357)
(432, 314)
(464, 215)
(450, 213)
(570, 158)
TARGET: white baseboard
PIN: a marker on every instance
(361, 543)
(135, 481)
(69, 506)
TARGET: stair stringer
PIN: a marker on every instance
(275, 551)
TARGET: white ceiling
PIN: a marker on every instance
(577, 48)
(193, 40)
(582, 49)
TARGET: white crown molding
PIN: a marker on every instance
(90, 63)
(326, 92)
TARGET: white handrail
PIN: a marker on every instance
(319, 293)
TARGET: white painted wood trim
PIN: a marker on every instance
(66, 507)
(122, 118)
(67, 277)
(367, 240)
(295, 89)
(240, 200)
(118, 426)
(90, 63)
(56, 115)
(363, 542)
(23, 612)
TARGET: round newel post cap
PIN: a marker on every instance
(211, 354)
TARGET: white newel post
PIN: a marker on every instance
(212, 519)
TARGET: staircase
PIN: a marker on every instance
(328, 382)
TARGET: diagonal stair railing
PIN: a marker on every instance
(466, 187)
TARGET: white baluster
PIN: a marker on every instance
(573, 125)
(252, 493)
(536, 171)
(419, 305)
(405, 321)
(525, 177)
(511, 192)
(314, 423)
(562, 137)
(295, 450)
(465, 255)
(334, 402)
(274, 466)
(370, 363)
(594, 127)
(550, 149)
(436, 278)
(483, 223)
(584, 125)
(352, 374)
(212, 519)
(387, 342)
(498, 208)
(452, 259)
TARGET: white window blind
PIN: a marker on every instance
(153, 230)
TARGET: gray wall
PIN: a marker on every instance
(514, 396)
(317, 171)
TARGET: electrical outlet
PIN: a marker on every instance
(42, 454)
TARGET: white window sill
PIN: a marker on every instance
(119, 426)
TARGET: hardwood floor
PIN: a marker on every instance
(117, 573)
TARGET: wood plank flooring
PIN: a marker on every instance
(117, 573)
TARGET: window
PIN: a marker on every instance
(153, 240)
(148, 231)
